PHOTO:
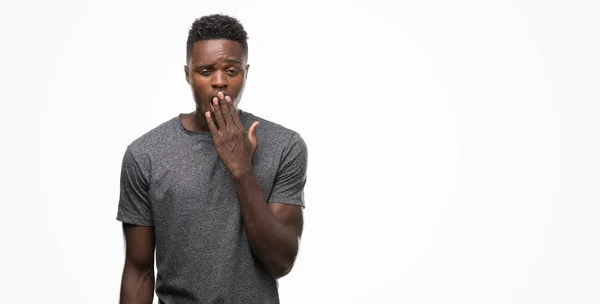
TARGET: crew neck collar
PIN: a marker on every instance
(202, 134)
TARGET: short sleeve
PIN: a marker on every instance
(291, 175)
(134, 205)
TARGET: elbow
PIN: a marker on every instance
(280, 270)
(282, 267)
(281, 263)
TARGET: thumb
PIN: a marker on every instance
(252, 134)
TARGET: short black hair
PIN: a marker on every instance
(217, 26)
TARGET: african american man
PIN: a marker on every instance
(216, 194)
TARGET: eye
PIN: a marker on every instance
(232, 72)
(205, 72)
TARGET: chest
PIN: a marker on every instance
(194, 181)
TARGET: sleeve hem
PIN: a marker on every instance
(134, 221)
(295, 202)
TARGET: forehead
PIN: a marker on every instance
(213, 50)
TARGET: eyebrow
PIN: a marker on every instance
(207, 65)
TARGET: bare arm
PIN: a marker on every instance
(273, 229)
(137, 285)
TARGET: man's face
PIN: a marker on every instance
(216, 65)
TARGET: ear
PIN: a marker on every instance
(187, 73)
(247, 69)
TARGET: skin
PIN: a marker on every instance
(216, 72)
(214, 66)
(137, 283)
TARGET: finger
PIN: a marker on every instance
(235, 117)
(225, 109)
(218, 115)
(252, 134)
(211, 124)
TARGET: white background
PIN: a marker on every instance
(453, 145)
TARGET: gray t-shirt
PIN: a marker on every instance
(173, 179)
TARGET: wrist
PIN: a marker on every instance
(244, 174)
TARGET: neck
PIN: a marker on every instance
(194, 121)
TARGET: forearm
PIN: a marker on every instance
(137, 286)
(274, 244)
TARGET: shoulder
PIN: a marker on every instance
(272, 132)
(155, 139)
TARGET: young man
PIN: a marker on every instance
(217, 192)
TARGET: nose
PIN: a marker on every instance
(219, 80)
